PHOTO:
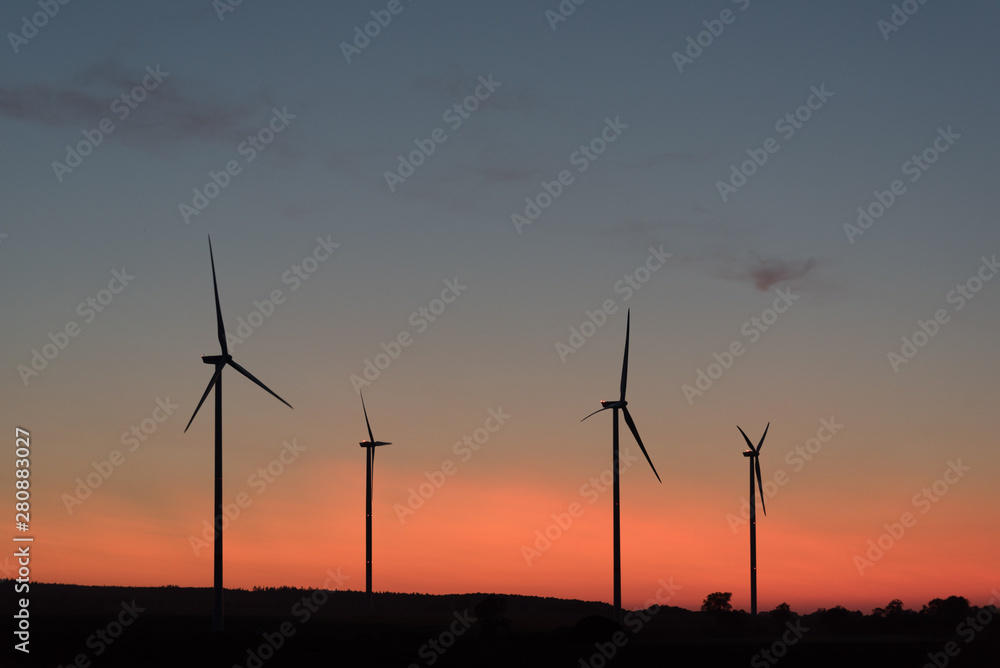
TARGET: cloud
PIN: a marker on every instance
(45, 105)
(765, 274)
(175, 110)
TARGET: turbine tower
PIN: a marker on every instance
(220, 362)
(369, 447)
(615, 406)
(753, 454)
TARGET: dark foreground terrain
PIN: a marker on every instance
(170, 626)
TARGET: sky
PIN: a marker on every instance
(452, 207)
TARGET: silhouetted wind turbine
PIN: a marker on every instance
(369, 447)
(753, 454)
(615, 406)
(220, 361)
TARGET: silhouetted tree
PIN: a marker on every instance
(718, 602)
(893, 610)
(951, 609)
(783, 613)
(839, 618)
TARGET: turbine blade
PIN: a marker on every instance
(218, 307)
(372, 478)
(628, 322)
(250, 376)
(371, 438)
(760, 485)
(761, 444)
(596, 412)
(208, 389)
(747, 439)
(635, 432)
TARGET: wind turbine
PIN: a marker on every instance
(753, 454)
(369, 447)
(615, 406)
(220, 361)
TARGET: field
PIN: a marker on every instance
(171, 626)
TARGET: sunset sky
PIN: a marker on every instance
(798, 205)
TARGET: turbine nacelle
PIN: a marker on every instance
(371, 442)
(621, 404)
(753, 454)
(220, 361)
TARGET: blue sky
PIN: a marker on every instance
(654, 187)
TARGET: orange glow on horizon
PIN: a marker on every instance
(472, 537)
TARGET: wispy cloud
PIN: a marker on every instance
(764, 274)
(48, 105)
(175, 110)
